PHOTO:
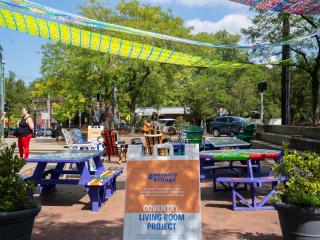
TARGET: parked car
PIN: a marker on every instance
(227, 125)
(167, 125)
(11, 131)
(44, 132)
(124, 125)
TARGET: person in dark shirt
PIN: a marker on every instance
(26, 128)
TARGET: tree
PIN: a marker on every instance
(267, 28)
(18, 95)
(76, 75)
(244, 97)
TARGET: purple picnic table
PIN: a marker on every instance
(254, 181)
(80, 158)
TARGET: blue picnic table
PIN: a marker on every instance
(57, 165)
(220, 143)
(255, 179)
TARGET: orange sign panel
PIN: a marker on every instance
(163, 197)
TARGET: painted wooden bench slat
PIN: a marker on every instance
(246, 179)
(102, 187)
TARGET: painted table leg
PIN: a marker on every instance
(45, 188)
(38, 173)
(109, 191)
(253, 195)
(84, 172)
(95, 198)
(99, 165)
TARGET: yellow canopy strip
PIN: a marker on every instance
(102, 43)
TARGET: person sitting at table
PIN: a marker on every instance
(24, 133)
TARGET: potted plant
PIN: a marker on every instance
(298, 198)
(17, 207)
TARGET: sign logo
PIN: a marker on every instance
(162, 177)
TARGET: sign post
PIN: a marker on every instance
(163, 195)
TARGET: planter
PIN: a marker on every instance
(17, 225)
(298, 223)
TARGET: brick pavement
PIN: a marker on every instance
(66, 214)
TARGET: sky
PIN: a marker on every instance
(22, 53)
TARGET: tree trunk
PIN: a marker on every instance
(205, 125)
(285, 74)
(132, 114)
(90, 116)
(315, 96)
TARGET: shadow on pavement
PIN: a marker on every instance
(210, 234)
(95, 230)
(260, 236)
(64, 195)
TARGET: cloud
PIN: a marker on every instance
(232, 23)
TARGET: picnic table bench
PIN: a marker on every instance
(100, 181)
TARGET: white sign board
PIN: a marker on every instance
(163, 195)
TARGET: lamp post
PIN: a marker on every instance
(2, 90)
(34, 120)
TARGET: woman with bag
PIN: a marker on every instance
(24, 133)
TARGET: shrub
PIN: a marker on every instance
(302, 187)
(181, 123)
(15, 194)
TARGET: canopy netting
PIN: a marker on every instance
(75, 36)
(307, 7)
(103, 43)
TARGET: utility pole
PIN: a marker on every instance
(2, 91)
(49, 111)
(114, 105)
(261, 108)
(47, 121)
(285, 74)
(35, 120)
(262, 86)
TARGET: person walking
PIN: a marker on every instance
(24, 133)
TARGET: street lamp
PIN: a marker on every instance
(34, 120)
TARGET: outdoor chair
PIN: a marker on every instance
(114, 146)
(78, 139)
(193, 135)
(248, 133)
(73, 143)
(150, 141)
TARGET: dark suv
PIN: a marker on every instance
(227, 125)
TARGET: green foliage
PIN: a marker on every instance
(181, 123)
(18, 95)
(14, 192)
(302, 187)
(76, 75)
(244, 97)
(304, 61)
